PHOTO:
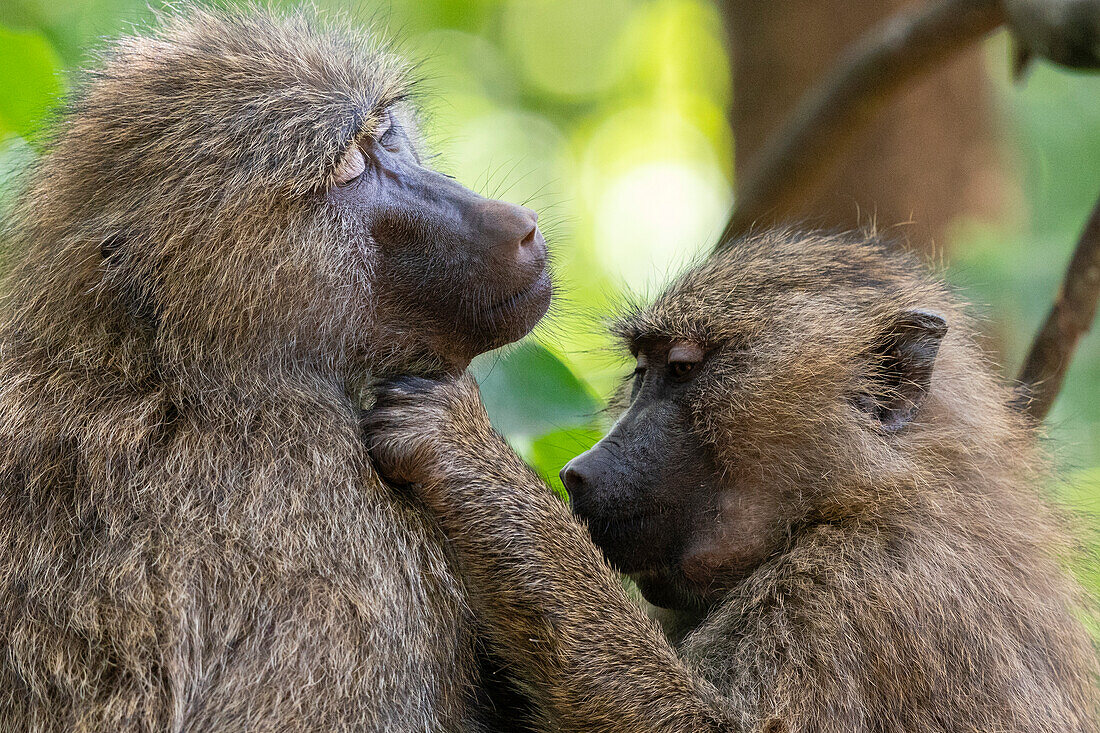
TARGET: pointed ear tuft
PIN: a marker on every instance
(902, 364)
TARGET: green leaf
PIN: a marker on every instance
(29, 81)
(550, 453)
(528, 391)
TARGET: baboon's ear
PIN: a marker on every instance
(902, 365)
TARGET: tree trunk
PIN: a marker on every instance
(928, 158)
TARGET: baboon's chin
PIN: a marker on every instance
(513, 317)
(447, 332)
(509, 319)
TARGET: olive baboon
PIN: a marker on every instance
(819, 480)
(231, 230)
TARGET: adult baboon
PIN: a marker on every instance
(820, 481)
(231, 230)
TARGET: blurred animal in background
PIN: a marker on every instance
(819, 484)
(232, 230)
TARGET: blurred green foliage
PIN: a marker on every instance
(29, 72)
(609, 118)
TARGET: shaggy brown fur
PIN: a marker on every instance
(914, 584)
(192, 537)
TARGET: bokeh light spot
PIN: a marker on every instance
(656, 217)
(567, 47)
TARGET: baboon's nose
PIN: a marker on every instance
(513, 234)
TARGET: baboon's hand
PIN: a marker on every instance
(424, 431)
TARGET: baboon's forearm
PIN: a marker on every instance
(556, 613)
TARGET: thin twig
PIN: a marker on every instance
(829, 115)
(1070, 318)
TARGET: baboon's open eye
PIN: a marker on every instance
(350, 167)
(683, 358)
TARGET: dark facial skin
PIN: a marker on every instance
(654, 499)
(462, 273)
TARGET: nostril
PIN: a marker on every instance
(529, 238)
(572, 480)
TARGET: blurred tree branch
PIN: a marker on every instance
(1069, 319)
(790, 166)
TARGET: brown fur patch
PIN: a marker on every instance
(194, 538)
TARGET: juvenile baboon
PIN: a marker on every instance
(231, 230)
(817, 477)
